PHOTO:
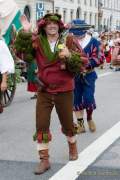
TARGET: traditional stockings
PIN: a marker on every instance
(89, 114)
(90, 121)
(80, 121)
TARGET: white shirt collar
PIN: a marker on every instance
(85, 41)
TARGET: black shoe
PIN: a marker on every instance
(34, 97)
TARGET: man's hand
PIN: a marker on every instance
(25, 23)
(3, 86)
(64, 53)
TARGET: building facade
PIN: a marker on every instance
(103, 14)
(69, 9)
(83, 9)
(34, 9)
(109, 15)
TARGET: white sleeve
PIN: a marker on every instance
(6, 59)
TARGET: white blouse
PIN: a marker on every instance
(6, 59)
(52, 46)
(84, 42)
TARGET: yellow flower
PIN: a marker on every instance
(61, 46)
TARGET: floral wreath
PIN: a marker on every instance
(41, 23)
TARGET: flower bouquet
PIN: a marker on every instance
(77, 60)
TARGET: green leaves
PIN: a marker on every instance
(75, 63)
(23, 45)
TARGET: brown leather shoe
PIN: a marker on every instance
(44, 165)
(73, 153)
(92, 126)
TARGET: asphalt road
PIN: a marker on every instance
(18, 155)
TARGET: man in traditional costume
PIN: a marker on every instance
(85, 83)
(56, 84)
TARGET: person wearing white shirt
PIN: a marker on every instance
(6, 67)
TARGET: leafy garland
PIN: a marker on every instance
(51, 56)
(74, 63)
(23, 45)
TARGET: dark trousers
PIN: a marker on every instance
(63, 103)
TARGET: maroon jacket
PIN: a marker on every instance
(50, 73)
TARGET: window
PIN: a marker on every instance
(27, 12)
(47, 11)
(104, 22)
(96, 3)
(78, 13)
(64, 15)
(85, 16)
(108, 4)
(57, 10)
(107, 23)
(71, 14)
(90, 18)
(90, 2)
(95, 20)
(104, 2)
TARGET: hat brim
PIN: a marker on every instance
(78, 32)
(82, 27)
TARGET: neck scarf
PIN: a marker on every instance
(51, 56)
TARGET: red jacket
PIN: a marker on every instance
(50, 73)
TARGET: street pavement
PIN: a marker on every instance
(18, 155)
(106, 167)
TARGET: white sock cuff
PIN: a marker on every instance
(42, 146)
(71, 139)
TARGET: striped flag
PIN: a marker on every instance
(9, 15)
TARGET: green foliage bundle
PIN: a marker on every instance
(23, 45)
(74, 64)
(11, 81)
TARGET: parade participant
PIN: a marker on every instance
(31, 75)
(107, 53)
(6, 66)
(56, 84)
(115, 58)
(85, 83)
(101, 55)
